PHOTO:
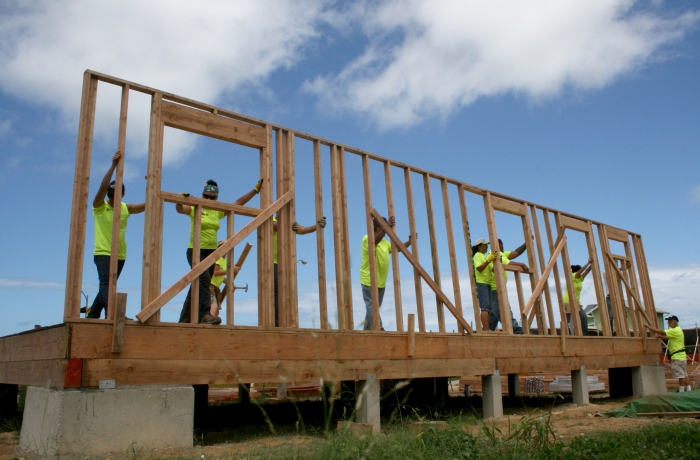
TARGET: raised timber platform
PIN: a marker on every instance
(79, 353)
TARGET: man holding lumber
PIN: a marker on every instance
(676, 351)
(382, 250)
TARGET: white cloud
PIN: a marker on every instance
(695, 194)
(428, 58)
(200, 50)
(24, 283)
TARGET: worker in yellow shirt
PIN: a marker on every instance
(578, 273)
(483, 273)
(495, 313)
(382, 249)
(103, 213)
(676, 351)
(209, 228)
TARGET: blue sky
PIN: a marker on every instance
(588, 107)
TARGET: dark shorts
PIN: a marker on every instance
(483, 294)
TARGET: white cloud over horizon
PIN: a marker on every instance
(449, 54)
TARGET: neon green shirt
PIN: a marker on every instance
(578, 285)
(210, 225)
(217, 280)
(485, 276)
(504, 261)
(676, 341)
(382, 251)
(104, 216)
(274, 244)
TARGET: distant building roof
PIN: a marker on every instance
(588, 309)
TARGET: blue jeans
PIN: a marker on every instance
(483, 294)
(204, 294)
(100, 302)
(584, 321)
(367, 296)
(495, 315)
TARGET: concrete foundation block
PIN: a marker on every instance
(648, 380)
(491, 395)
(579, 387)
(88, 422)
(367, 396)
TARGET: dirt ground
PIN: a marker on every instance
(568, 420)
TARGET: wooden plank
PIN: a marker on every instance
(347, 277)
(411, 334)
(564, 328)
(320, 242)
(395, 272)
(598, 281)
(45, 343)
(506, 322)
(574, 224)
(292, 238)
(540, 255)
(208, 124)
(230, 271)
(79, 202)
(153, 217)
(434, 250)
(284, 229)
(555, 268)
(454, 269)
(374, 287)
(470, 264)
(521, 301)
(338, 236)
(433, 285)
(559, 246)
(510, 207)
(414, 249)
(117, 208)
(617, 234)
(629, 288)
(619, 314)
(118, 326)
(198, 269)
(533, 274)
(40, 373)
(196, 243)
(566, 262)
(266, 282)
(644, 279)
(170, 197)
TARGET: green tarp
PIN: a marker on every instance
(688, 401)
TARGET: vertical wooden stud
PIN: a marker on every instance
(196, 246)
(370, 243)
(498, 267)
(118, 326)
(266, 281)
(451, 249)
(468, 244)
(347, 286)
(434, 250)
(555, 269)
(395, 273)
(619, 314)
(566, 262)
(320, 242)
(598, 282)
(533, 275)
(230, 274)
(644, 280)
(543, 263)
(414, 249)
(411, 335)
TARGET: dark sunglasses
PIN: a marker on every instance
(210, 197)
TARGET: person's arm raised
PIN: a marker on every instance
(102, 191)
(246, 198)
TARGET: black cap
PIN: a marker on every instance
(110, 189)
(672, 317)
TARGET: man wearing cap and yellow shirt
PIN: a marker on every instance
(495, 314)
(676, 351)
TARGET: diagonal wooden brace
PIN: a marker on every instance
(622, 278)
(559, 246)
(404, 250)
(203, 265)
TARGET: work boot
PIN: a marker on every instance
(208, 319)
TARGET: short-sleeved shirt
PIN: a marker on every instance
(217, 280)
(504, 261)
(486, 275)
(104, 216)
(210, 226)
(676, 341)
(274, 244)
(382, 251)
(578, 285)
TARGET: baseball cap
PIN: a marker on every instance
(480, 241)
(672, 317)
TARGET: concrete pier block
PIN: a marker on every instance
(648, 380)
(513, 385)
(579, 386)
(89, 422)
(282, 390)
(491, 395)
(367, 402)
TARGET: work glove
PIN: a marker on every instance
(493, 256)
(257, 186)
(322, 222)
(185, 194)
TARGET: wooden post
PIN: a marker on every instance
(230, 272)
(573, 302)
(81, 183)
(118, 326)
(196, 246)
(414, 248)
(320, 243)
(506, 322)
(395, 273)
(342, 275)
(153, 218)
(451, 246)
(411, 335)
(347, 282)
(533, 275)
(598, 282)
(370, 244)
(293, 310)
(116, 217)
(555, 268)
(540, 255)
(433, 249)
(644, 279)
(619, 314)
(521, 303)
(470, 261)
(266, 279)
